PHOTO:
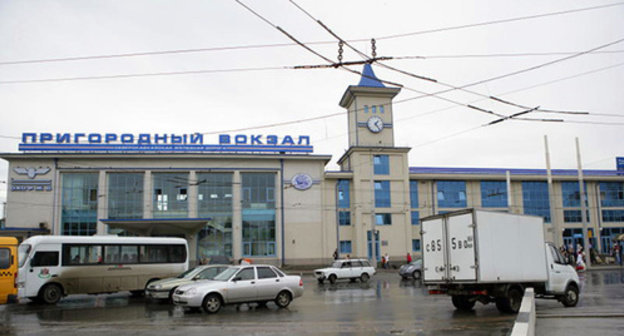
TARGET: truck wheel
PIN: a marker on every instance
(332, 279)
(462, 302)
(511, 303)
(570, 298)
(51, 294)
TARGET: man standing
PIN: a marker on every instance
(409, 258)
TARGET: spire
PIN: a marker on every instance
(368, 78)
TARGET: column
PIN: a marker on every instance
(237, 217)
(102, 203)
(147, 194)
(192, 195)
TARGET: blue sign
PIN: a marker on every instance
(169, 143)
(619, 161)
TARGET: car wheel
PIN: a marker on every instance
(212, 303)
(332, 279)
(364, 277)
(283, 299)
(463, 302)
(571, 297)
(416, 274)
(51, 294)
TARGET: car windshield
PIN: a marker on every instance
(22, 252)
(227, 274)
(188, 273)
(416, 262)
(336, 264)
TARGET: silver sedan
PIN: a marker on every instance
(411, 270)
(240, 284)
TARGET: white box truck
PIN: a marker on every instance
(486, 256)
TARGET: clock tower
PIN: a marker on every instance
(369, 106)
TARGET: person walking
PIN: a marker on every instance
(336, 254)
(387, 261)
(409, 258)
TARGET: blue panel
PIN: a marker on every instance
(451, 194)
(413, 194)
(415, 218)
(535, 199)
(344, 218)
(381, 164)
(343, 194)
(493, 194)
(382, 194)
(612, 194)
(415, 245)
(345, 246)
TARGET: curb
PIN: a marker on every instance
(525, 322)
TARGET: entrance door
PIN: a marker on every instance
(369, 244)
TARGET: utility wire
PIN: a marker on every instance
(366, 57)
(152, 74)
(281, 45)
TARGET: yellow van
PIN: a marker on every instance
(8, 269)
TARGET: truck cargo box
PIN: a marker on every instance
(478, 246)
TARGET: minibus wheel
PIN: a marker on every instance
(51, 294)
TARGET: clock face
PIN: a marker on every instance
(375, 124)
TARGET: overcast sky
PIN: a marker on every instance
(213, 102)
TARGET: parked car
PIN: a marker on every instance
(240, 284)
(163, 289)
(345, 269)
(411, 270)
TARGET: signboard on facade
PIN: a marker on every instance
(167, 143)
(619, 162)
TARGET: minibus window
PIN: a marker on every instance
(5, 258)
(22, 253)
(42, 258)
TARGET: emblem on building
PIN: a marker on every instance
(301, 181)
(32, 172)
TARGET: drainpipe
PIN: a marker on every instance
(282, 209)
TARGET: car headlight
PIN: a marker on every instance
(156, 287)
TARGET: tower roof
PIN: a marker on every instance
(368, 77)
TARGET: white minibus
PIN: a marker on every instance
(51, 267)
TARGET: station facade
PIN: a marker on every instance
(270, 199)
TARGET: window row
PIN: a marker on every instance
(374, 109)
(82, 254)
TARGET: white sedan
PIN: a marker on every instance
(241, 284)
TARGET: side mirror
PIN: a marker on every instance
(236, 279)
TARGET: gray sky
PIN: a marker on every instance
(212, 102)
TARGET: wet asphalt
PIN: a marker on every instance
(386, 305)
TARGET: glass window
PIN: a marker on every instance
(112, 255)
(344, 217)
(5, 258)
(535, 199)
(415, 218)
(494, 194)
(574, 216)
(153, 254)
(125, 195)
(258, 190)
(170, 196)
(345, 246)
(214, 201)
(612, 194)
(210, 273)
(383, 219)
(246, 274)
(343, 194)
(613, 215)
(79, 204)
(382, 194)
(451, 194)
(82, 254)
(43, 258)
(413, 194)
(365, 108)
(129, 254)
(258, 232)
(374, 107)
(381, 164)
(415, 245)
(265, 273)
(381, 109)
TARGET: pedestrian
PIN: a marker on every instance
(387, 260)
(336, 254)
(570, 256)
(617, 251)
(383, 261)
(409, 258)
